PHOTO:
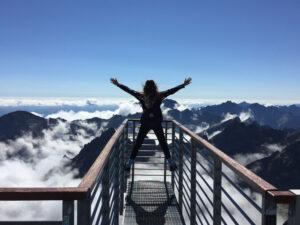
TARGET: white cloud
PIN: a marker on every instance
(61, 101)
(267, 150)
(81, 115)
(243, 116)
(43, 166)
(214, 134)
(245, 159)
(37, 114)
(181, 107)
(228, 116)
(246, 115)
(64, 101)
(203, 126)
(210, 101)
(274, 147)
(124, 109)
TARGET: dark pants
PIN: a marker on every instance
(144, 129)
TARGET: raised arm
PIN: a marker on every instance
(171, 91)
(127, 89)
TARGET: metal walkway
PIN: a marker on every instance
(151, 202)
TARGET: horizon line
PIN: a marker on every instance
(108, 101)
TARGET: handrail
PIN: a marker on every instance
(68, 193)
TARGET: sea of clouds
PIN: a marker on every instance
(41, 162)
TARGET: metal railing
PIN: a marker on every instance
(99, 196)
(204, 184)
(212, 188)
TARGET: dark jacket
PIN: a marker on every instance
(155, 110)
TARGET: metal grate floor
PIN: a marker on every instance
(151, 202)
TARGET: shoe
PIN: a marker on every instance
(173, 166)
(127, 167)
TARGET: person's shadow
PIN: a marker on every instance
(157, 216)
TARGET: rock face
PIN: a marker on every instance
(17, 123)
(281, 168)
(237, 137)
(90, 152)
(169, 103)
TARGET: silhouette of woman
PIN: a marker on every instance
(151, 118)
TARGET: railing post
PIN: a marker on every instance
(173, 152)
(116, 183)
(68, 212)
(180, 168)
(217, 191)
(121, 169)
(105, 187)
(193, 183)
(133, 133)
(84, 211)
(165, 161)
(294, 209)
(125, 152)
(268, 210)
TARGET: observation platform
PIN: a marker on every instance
(209, 187)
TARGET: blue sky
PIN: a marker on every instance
(240, 49)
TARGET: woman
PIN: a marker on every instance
(151, 118)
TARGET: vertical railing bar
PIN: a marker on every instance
(193, 183)
(116, 185)
(132, 171)
(84, 211)
(125, 152)
(105, 186)
(68, 212)
(122, 178)
(180, 168)
(165, 161)
(268, 210)
(217, 191)
(173, 152)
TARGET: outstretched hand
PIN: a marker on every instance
(187, 81)
(114, 81)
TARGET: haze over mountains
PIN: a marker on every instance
(266, 139)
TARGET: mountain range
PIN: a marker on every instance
(237, 129)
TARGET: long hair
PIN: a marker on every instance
(150, 93)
